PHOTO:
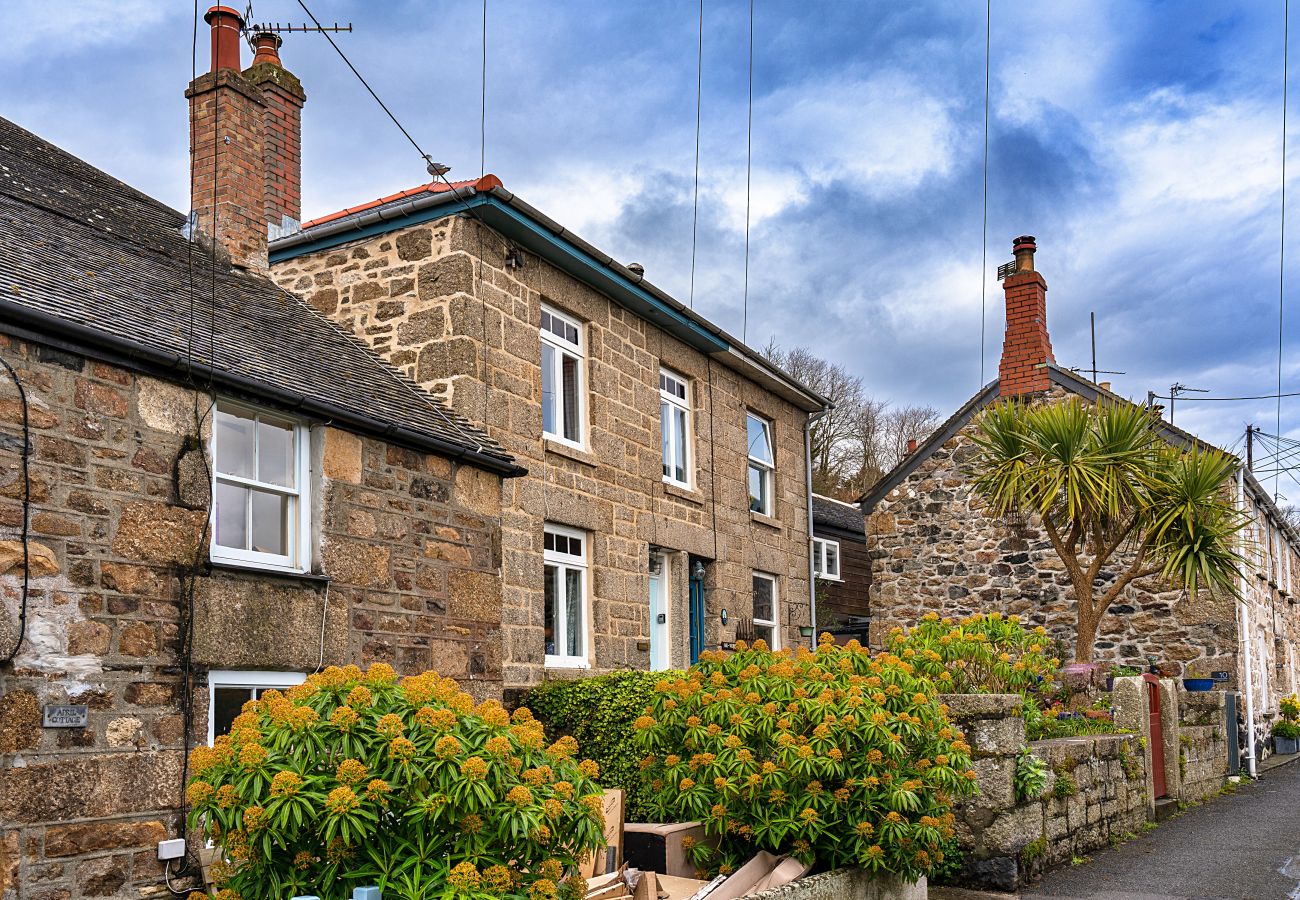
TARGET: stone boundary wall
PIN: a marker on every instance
(847, 884)
(1096, 791)
(1194, 751)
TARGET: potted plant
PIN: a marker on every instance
(1197, 681)
(1286, 731)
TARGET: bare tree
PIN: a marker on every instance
(861, 438)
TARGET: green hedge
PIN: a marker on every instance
(599, 713)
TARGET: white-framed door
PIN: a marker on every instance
(660, 632)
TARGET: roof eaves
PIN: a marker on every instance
(479, 196)
(45, 328)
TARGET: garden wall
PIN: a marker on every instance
(1097, 790)
(1202, 745)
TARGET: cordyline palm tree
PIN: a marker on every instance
(1111, 493)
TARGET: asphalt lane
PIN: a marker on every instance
(1246, 845)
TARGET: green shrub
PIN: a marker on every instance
(834, 756)
(1030, 776)
(981, 654)
(598, 712)
(1065, 785)
(354, 779)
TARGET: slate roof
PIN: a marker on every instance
(837, 515)
(88, 261)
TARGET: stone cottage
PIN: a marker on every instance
(207, 489)
(934, 548)
(666, 507)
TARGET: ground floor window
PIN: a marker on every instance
(229, 690)
(565, 559)
(765, 606)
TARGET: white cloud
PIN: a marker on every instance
(53, 29)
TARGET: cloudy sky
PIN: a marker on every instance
(1139, 141)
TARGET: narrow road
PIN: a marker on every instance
(1242, 846)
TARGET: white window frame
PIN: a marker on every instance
(668, 426)
(774, 622)
(575, 349)
(820, 546)
(257, 681)
(767, 469)
(298, 539)
(565, 563)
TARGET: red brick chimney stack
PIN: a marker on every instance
(226, 163)
(284, 98)
(1027, 348)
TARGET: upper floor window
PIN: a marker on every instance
(260, 508)
(761, 464)
(564, 552)
(765, 609)
(674, 419)
(562, 387)
(826, 559)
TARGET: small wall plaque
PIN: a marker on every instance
(1220, 676)
(76, 716)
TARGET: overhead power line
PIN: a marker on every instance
(1183, 398)
(984, 233)
(699, 95)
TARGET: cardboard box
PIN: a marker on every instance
(672, 887)
(744, 879)
(610, 857)
(657, 847)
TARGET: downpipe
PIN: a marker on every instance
(813, 418)
(1243, 626)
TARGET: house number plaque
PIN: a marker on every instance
(75, 716)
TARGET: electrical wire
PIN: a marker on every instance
(482, 107)
(700, 83)
(1186, 397)
(433, 170)
(1281, 262)
(26, 457)
(984, 234)
(749, 171)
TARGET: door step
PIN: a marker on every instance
(1165, 808)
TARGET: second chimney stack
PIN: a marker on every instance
(1027, 348)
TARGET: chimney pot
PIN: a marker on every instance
(267, 48)
(911, 445)
(1105, 385)
(1023, 247)
(227, 26)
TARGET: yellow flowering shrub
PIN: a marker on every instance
(833, 756)
(358, 778)
(980, 654)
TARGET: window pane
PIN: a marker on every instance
(231, 516)
(570, 375)
(679, 459)
(573, 614)
(270, 523)
(833, 560)
(757, 489)
(552, 598)
(763, 600)
(226, 704)
(235, 444)
(275, 454)
(760, 446)
(548, 389)
(765, 633)
(665, 429)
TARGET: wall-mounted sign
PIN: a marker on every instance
(76, 716)
(1220, 676)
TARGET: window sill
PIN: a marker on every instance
(566, 664)
(568, 452)
(828, 578)
(683, 493)
(768, 521)
(245, 569)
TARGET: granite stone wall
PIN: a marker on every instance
(440, 301)
(407, 572)
(1096, 791)
(1202, 745)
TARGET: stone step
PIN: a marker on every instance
(1165, 808)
